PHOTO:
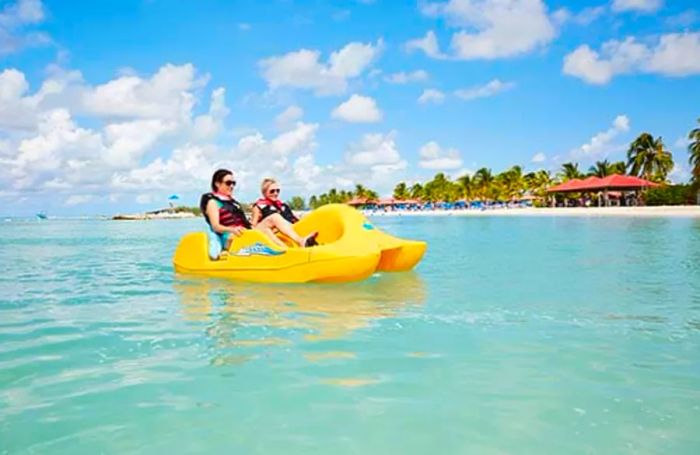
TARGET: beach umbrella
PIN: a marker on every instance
(171, 200)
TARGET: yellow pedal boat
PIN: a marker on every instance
(350, 249)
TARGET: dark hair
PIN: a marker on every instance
(219, 177)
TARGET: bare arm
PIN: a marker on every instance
(257, 216)
(213, 215)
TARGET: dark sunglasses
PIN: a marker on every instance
(229, 182)
(277, 191)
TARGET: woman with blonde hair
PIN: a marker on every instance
(270, 206)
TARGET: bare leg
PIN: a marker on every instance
(285, 227)
(267, 230)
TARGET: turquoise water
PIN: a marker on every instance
(514, 335)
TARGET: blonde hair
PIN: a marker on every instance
(266, 183)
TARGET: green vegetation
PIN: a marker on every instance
(334, 196)
(694, 158)
(604, 168)
(647, 157)
(183, 209)
(297, 203)
(670, 195)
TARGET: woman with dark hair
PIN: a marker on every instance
(227, 219)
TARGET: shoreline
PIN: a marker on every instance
(683, 211)
(153, 216)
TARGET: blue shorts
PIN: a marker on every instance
(217, 242)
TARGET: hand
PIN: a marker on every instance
(237, 231)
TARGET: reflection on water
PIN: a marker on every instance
(249, 315)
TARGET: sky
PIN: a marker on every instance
(113, 106)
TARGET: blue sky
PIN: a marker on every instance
(112, 106)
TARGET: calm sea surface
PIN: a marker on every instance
(514, 335)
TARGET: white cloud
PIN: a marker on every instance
(207, 126)
(244, 26)
(15, 19)
(538, 158)
(589, 15)
(78, 199)
(404, 77)
(60, 147)
(303, 69)
(251, 160)
(190, 166)
(307, 172)
(166, 95)
(16, 110)
(358, 109)
(145, 198)
(431, 95)
(602, 144)
(254, 153)
(584, 17)
(428, 44)
(377, 152)
(20, 110)
(675, 54)
(490, 29)
(489, 89)
(289, 117)
(432, 156)
(680, 173)
(127, 142)
(682, 143)
(22, 12)
(683, 20)
(47, 149)
(643, 6)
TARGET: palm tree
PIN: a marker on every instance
(483, 179)
(570, 171)
(313, 202)
(694, 159)
(372, 195)
(333, 196)
(466, 186)
(619, 167)
(416, 191)
(539, 182)
(360, 191)
(438, 189)
(648, 158)
(401, 191)
(512, 182)
(601, 169)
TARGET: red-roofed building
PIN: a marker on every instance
(615, 182)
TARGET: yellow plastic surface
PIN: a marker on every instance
(350, 249)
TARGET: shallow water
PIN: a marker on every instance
(514, 335)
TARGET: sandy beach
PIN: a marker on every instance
(687, 211)
(154, 216)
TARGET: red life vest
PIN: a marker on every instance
(230, 211)
(268, 207)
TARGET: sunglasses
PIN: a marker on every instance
(229, 182)
(275, 191)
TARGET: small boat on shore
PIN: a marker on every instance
(350, 249)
